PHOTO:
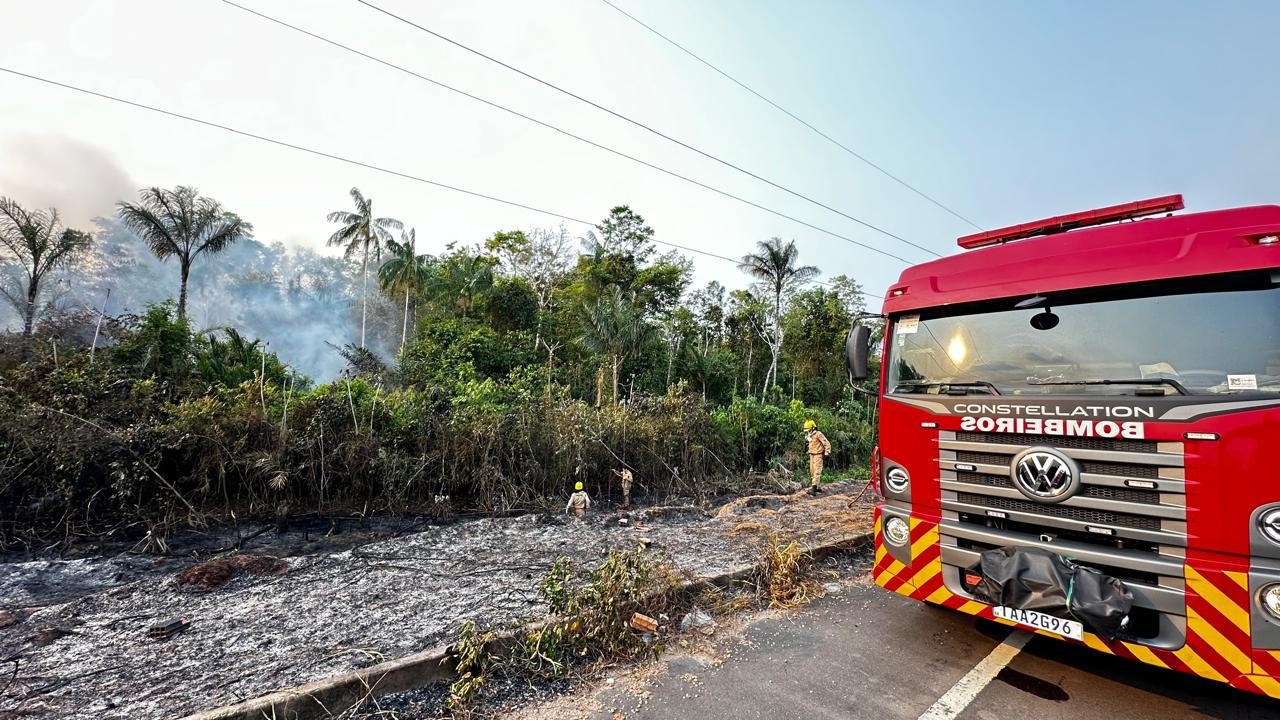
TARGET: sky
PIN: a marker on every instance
(1004, 112)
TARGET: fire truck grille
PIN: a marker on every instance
(1108, 468)
(1127, 517)
(1148, 497)
(968, 456)
(1100, 517)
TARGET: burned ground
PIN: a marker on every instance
(263, 627)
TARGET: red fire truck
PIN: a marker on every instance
(1104, 386)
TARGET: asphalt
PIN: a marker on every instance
(862, 652)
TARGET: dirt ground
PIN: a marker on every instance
(77, 642)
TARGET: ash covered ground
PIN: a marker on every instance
(77, 643)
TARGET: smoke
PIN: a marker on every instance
(80, 180)
(299, 302)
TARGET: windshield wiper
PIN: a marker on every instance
(962, 387)
(1133, 381)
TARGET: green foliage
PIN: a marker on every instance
(472, 661)
(590, 620)
(522, 369)
(157, 345)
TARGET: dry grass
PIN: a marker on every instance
(786, 573)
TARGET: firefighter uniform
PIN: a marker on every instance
(578, 502)
(627, 477)
(818, 448)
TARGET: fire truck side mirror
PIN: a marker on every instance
(857, 351)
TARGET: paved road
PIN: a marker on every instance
(867, 653)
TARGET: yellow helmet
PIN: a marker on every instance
(577, 486)
(809, 424)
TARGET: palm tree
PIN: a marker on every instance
(405, 271)
(614, 327)
(460, 278)
(362, 232)
(40, 244)
(181, 223)
(774, 265)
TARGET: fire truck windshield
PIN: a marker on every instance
(1207, 336)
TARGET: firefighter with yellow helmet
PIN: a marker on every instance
(818, 447)
(579, 501)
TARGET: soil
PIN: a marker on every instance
(290, 609)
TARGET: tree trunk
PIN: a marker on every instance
(364, 303)
(617, 360)
(182, 288)
(772, 376)
(404, 331)
(29, 315)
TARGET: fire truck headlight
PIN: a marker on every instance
(897, 478)
(1270, 599)
(898, 533)
(1269, 524)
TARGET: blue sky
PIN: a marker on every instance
(1004, 111)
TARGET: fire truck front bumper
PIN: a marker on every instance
(1213, 638)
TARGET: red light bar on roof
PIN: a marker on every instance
(1062, 223)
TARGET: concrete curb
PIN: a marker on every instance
(328, 697)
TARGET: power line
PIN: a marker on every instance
(340, 158)
(562, 131)
(648, 128)
(795, 117)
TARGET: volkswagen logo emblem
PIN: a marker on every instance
(1045, 475)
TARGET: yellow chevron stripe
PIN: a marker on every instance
(1197, 664)
(895, 567)
(971, 607)
(1144, 654)
(1238, 578)
(880, 553)
(929, 538)
(1223, 604)
(939, 596)
(1096, 643)
(927, 573)
(1266, 684)
(1274, 655)
(1210, 634)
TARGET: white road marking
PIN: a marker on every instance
(954, 701)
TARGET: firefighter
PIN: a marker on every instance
(627, 477)
(579, 501)
(818, 447)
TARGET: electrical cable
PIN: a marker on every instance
(342, 159)
(567, 133)
(647, 128)
(879, 168)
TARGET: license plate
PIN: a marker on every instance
(1040, 621)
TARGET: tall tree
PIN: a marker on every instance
(540, 258)
(460, 278)
(182, 223)
(38, 242)
(362, 232)
(405, 271)
(615, 328)
(773, 264)
(624, 232)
